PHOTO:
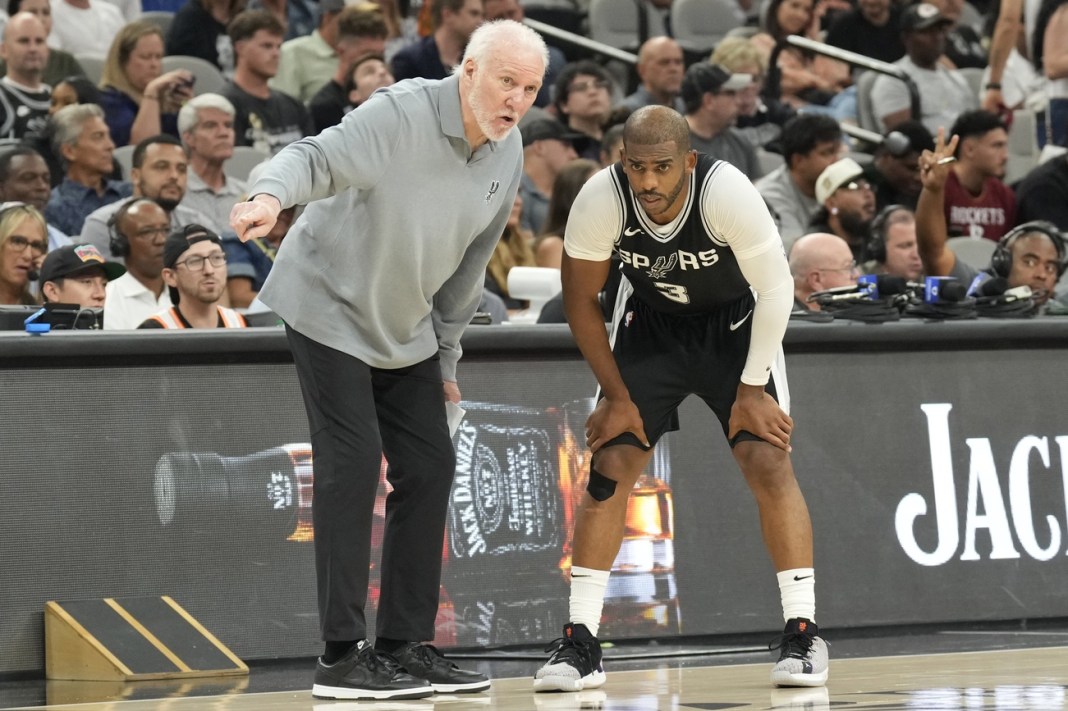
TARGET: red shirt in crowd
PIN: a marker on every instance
(989, 215)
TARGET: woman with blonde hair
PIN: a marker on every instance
(512, 250)
(23, 244)
(140, 101)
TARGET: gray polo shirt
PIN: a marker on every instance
(388, 260)
(215, 206)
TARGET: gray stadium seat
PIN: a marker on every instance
(865, 112)
(209, 78)
(93, 64)
(974, 75)
(615, 22)
(245, 158)
(1023, 146)
(699, 25)
(768, 161)
(124, 156)
(973, 252)
(159, 17)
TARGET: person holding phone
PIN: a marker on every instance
(139, 100)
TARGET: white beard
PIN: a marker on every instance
(484, 119)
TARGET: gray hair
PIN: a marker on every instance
(503, 38)
(189, 115)
(69, 123)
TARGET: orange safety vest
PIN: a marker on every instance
(170, 318)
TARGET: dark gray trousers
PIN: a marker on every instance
(356, 415)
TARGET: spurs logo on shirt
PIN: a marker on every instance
(668, 265)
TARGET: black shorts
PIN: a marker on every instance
(663, 358)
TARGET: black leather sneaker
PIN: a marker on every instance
(424, 661)
(364, 673)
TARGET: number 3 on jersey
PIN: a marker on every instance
(675, 292)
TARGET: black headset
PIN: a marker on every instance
(897, 144)
(876, 248)
(117, 241)
(1001, 259)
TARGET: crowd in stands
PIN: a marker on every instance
(117, 170)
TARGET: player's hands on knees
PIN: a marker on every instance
(611, 418)
(255, 218)
(757, 412)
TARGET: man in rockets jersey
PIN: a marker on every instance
(695, 241)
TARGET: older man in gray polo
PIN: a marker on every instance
(376, 282)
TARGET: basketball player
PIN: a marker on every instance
(695, 241)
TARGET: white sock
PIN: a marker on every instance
(587, 596)
(797, 588)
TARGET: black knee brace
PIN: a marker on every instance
(600, 487)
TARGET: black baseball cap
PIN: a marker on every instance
(182, 239)
(73, 258)
(707, 78)
(922, 16)
(548, 130)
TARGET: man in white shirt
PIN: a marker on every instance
(138, 232)
(85, 26)
(944, 93)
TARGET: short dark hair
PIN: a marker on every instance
(249, 22)
(804, 132)
(975, 124)
(85, 90)
(358, 21)
(138, 158)
(562, 87)
(651, 125)
(9, 156)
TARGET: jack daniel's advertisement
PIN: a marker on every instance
(519, 473)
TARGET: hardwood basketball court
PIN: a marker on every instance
(1004, 669)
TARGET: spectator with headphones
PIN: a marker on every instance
(893, 249)
(894, 173)
(137, 233)
(1032, 254)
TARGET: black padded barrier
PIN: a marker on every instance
(934, 458)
